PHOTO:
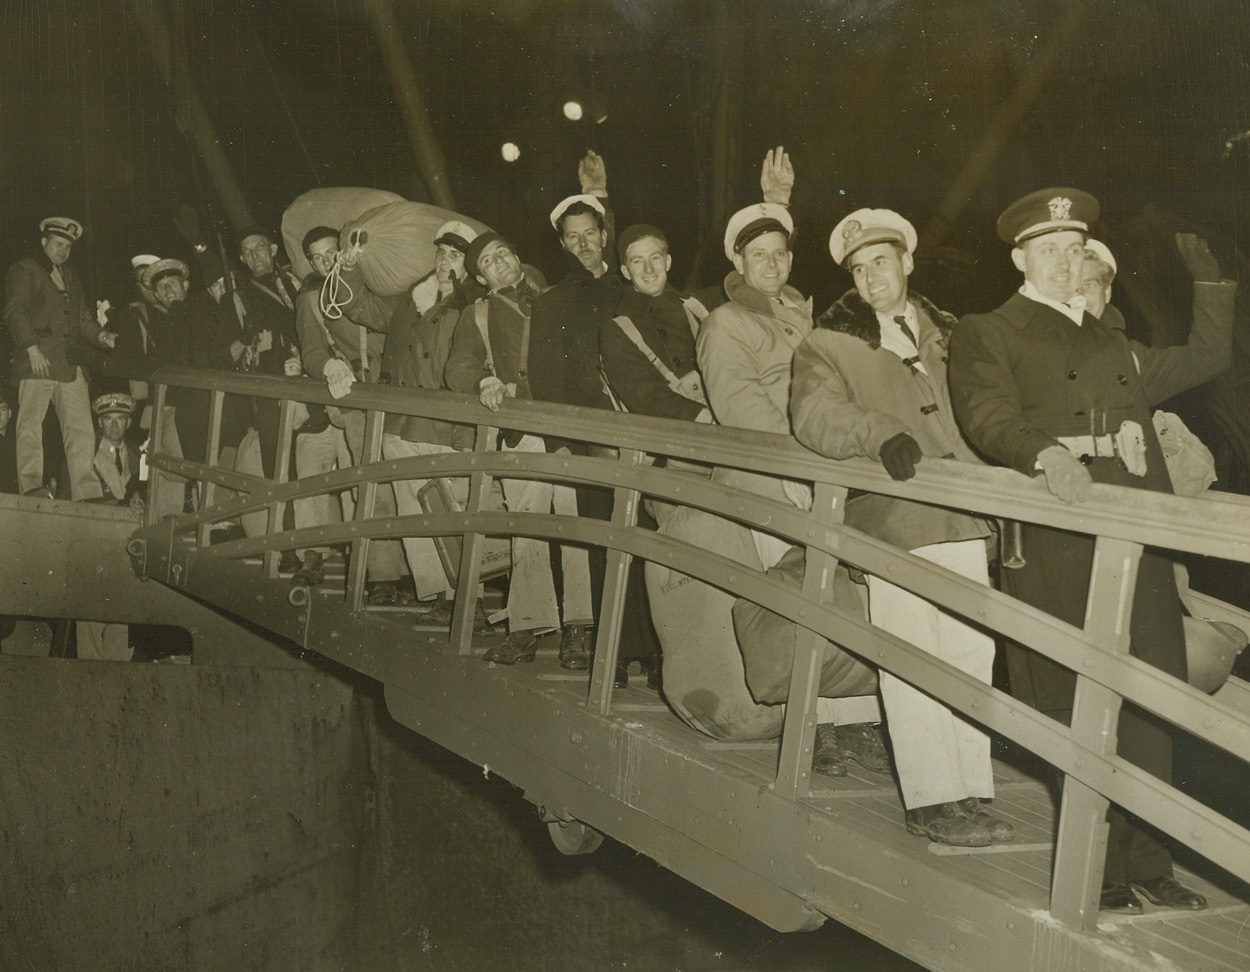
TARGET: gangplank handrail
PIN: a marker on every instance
(1122, 519)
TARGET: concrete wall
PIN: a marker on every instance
(181, 817)
(203, 818)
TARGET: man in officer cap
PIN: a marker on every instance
(746, 348)
(870, 381)
(1044, 387)
(116, 460)
(51, 326)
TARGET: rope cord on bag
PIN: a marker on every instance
(334, 285)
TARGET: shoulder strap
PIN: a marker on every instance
(696, 313)
(631, 331)
(480, 313)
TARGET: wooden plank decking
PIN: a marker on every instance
(706, 809)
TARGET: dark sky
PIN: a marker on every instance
(881, 103)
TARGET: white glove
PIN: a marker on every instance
(492, 392)
(339, 377)
(800, 494)
(1066, 476)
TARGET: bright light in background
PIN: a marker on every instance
(573, 110)
(510, 151)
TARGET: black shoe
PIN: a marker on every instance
(621, 679)
(310, 571)
(383, 594)
(946, 823)
(1119, 899)
(1167, 892)
(826, 758)
(289, 562)
(655, 678)
(519, 646)
(864, 742)
(1001, 832)
(438, 615)
(574, 652)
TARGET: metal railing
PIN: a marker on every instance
(1121, 520)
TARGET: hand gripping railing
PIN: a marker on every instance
(1122, 520)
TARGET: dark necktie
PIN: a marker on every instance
(901, 321)
(117, 455)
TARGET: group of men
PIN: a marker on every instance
(1046, 384)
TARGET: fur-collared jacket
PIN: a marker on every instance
(745, 350)
(849, 396)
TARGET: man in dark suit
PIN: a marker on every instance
(1044, 387)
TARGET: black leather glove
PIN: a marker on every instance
(899, 455)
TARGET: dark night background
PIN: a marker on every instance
(881, 103)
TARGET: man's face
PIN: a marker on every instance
(585, 240)
(321, 254)
(113, 427)
(646, 266)
(498, 266)
(765, 263)
(448, 263)
(1096, 293)
(880, 272)
(57, 248)
(1052, 263)
(147, 295)
(169, 290)
(258, 253)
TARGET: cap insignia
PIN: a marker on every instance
(1060, 208)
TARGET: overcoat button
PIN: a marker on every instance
(1122, 379)
(1071, 376)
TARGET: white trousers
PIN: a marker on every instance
(841, 712)
(317, 453)
(939, 755)
(73, 412)
(428, 575)
(386, 557)
(531, 591)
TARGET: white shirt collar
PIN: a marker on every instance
(1073, 310)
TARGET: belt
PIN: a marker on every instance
(1089, 445)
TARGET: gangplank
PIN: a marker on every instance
(747, 820)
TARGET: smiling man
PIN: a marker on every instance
(870, 381)
(648, 349)
(1044, 387)
(746, 349)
